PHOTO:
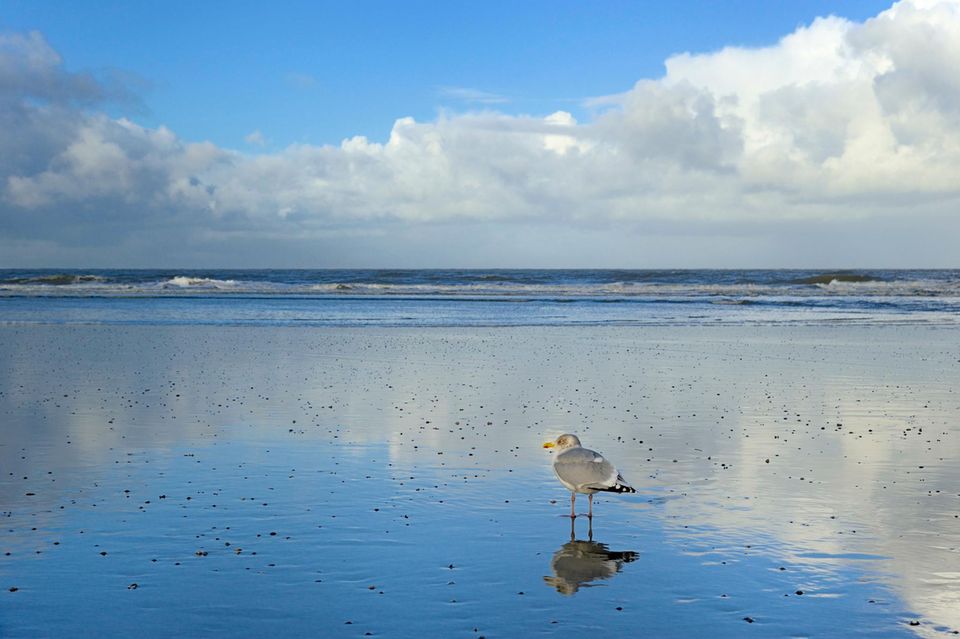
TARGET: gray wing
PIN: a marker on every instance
(585, 469)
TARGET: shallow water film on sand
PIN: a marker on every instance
(190, 480)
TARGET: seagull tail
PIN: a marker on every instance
(619, 488)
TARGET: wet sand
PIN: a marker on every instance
(190, 480)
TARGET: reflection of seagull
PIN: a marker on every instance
(584, 471)
(579, 562)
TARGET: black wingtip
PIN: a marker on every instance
(620, 488)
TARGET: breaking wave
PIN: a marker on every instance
(716, 287)
(183, 281)
(840, 277)
(56, 279)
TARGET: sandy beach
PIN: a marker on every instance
(166, 481)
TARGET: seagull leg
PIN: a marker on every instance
(573, 500)
(590, 511)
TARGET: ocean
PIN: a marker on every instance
(496, 297)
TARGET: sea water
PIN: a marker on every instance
(479, 297)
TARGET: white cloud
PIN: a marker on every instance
(840, 110)
(255, 138)
(29, 66)
(474, 96)
(837, 121)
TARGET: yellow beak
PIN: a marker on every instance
(549, 444)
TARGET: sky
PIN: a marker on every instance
(480, 134)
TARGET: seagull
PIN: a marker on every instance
(584, 471)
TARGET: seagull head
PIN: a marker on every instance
(563, 442)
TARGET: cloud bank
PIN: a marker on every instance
(840, 132)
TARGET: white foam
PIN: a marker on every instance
(203, 282)
(898, 288)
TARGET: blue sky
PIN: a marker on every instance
(318, 72)
(480, 134)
